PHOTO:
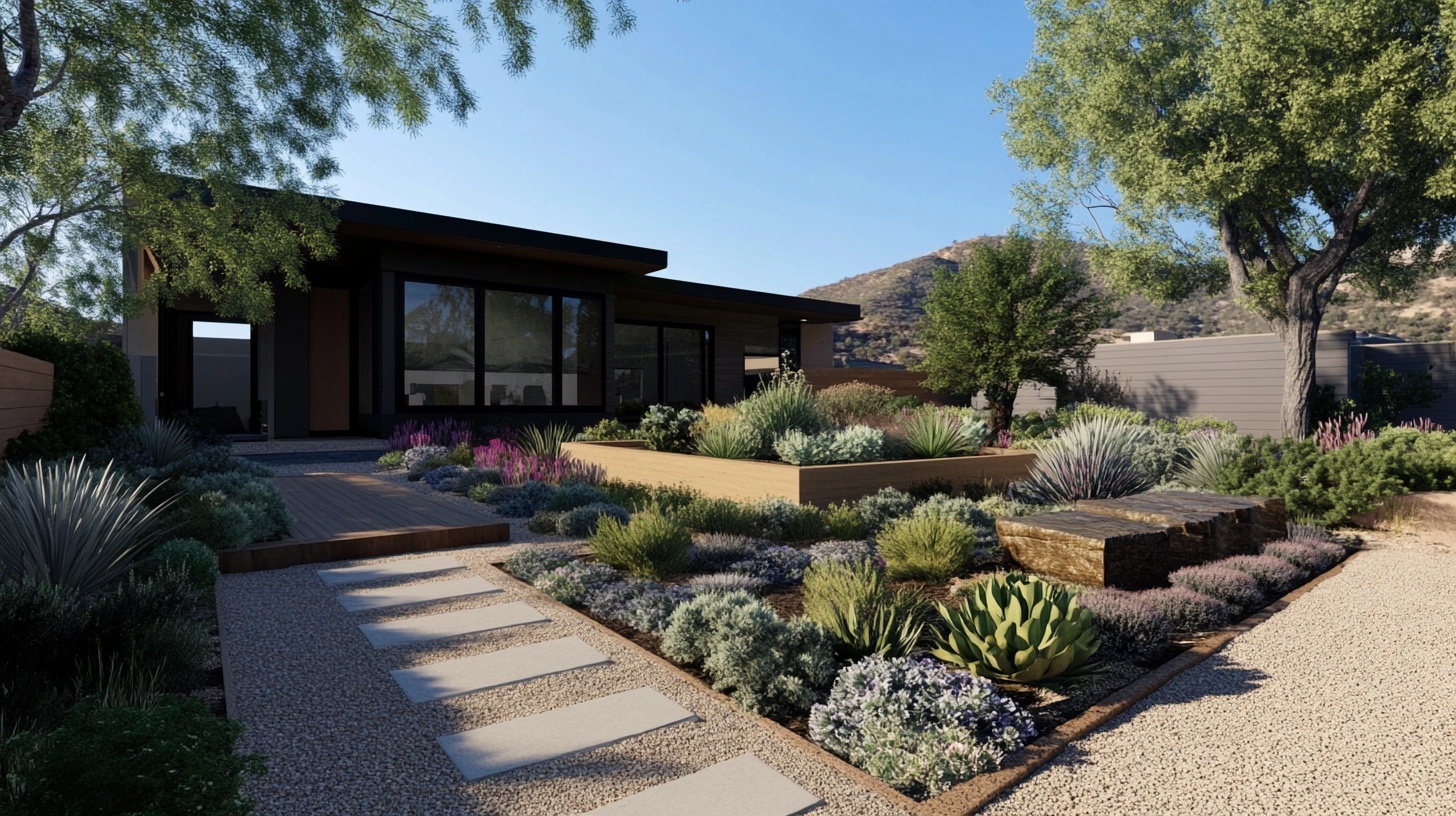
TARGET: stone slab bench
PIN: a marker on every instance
(1134, 542)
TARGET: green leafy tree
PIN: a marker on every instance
(1015, 312)
(143, 123)
(1274, 148)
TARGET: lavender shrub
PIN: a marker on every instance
(575, 582)
(1235, 588)
(1300, 555)
(725, 582)
(917, 725)
(1129, 624)
(776, 564)
(641, 604)
(1189, 611)
(1275, 576)
(715, 551)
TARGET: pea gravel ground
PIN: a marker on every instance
(1344, 703)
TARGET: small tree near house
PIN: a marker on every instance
(1016, 311)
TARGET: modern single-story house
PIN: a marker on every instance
(421, 316)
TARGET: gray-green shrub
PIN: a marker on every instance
(851, 601)
(650, 546)
(783, 403)
(768, 666)
(858, 443)
(782, 520)
(582, 521)
(726, 516)
(192, 563)
(878, 509)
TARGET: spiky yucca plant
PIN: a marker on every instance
(733, 439)
(163, 442)
(1207, 455)
(1020, 629)
(70, 525)
(933, 433)
(1090, 459)
(546, 442)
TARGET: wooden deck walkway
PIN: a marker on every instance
(340, 516)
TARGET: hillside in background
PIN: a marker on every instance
(891, 301)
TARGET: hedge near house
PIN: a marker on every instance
(93, 396)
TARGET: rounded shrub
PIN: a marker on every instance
(544, 522)
(188, 561)
(576, 581)
(574, 495)
(650, 546)
(1300, 555)
(851, 402)
(774, 564)
(1129, 624)
(92, 396)
(715, 551)
(1235, 588)
(527, 565)
(851, 551)
(1189, 611)
(582, 521)
(917, 725)
(725, 582)
(932, 548)
(782, 520)
(643, 605)
(1274, 575)
(878, 509)
(726, 516)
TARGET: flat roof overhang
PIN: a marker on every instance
(409, 226)
(808, 310)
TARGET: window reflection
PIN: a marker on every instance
(439, 344)
(518, 351)
(581, 351)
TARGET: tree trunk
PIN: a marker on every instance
(1298, 330)
(1001, 400)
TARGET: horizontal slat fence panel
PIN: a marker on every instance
(25, 394)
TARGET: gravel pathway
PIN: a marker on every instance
(340, 737)
(1344, 703)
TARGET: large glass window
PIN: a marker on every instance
(519, 359)
(581, 351)
(667, 364)
(439, 344)
(637, 366)
(531, 349)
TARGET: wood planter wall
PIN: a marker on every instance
(749, 480)
(25, 394)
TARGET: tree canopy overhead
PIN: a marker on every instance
(1018, 310)
(1273, 147)
(144, 121)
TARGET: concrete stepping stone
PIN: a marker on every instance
(451, 624)
(742, 786)
(363, 600)
(576, 728)
(390, 569)
(452, 678)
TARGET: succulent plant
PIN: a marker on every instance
(1020, 629)
(1092, 459)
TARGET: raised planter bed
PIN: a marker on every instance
(821, 485)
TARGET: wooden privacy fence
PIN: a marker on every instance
(25, 394)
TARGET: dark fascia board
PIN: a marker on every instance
(666, 290)
(410, 226)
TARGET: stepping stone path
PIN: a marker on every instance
(742, 786)
(561, 732)
(451, 624)
(452, 678)
(364, 600)
(411, 567)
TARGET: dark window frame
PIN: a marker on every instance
(709, 350)
(481, 405)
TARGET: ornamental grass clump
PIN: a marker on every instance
(851, 601)
(931, 548)
(70, 525)
(917, 725)
(1275, 576)
(545, 442)
(1019, 629)
(1129, 624)
(1205, 456)
(724, 516)
(934, 433)
(650, 546)
(769, 666)
(573, 583)
(1091, 459)
(734, 439)
(1189, 611)
(1235, 588)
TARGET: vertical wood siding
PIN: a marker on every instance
(25, 394)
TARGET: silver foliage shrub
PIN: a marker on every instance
(858, 443)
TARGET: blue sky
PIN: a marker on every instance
(765, 144)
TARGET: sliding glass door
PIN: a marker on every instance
(656, 363)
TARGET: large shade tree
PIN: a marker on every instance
(1017, 310)
(1274, 147)
(144, 123)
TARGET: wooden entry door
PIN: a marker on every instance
(328, 360)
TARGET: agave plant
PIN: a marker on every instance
(932, 433)
(1207, 455)
(66, 524)
(1020, 629)
(1090, 459)
(163, 442)
(546, 442)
